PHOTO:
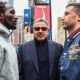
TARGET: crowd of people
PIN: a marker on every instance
(40, 59)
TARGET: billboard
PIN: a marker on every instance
(42, 11)
(41, 1)
(27, 17)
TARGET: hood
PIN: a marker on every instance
(4, 31)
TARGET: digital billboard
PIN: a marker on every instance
(27, 17)
(41, 1)
(42, 11)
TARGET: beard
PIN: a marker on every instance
(9, 25)
(68, 27)
(65, 27)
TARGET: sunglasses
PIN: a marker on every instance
(42, 28)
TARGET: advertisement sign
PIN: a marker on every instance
(42, 11)
(27, 17)
(41, 1)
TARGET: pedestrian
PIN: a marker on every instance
(39, 58)
(8, 56)
(70, 59)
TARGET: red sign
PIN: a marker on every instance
(42, 11)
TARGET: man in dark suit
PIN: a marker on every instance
(39, 58)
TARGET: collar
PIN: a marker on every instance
(40, 43)
(4, 31)
(75, 33)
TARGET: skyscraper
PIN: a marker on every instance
(72, 1)
(8, 1)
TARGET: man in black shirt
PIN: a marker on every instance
(38, 59)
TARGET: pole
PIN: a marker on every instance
(50, 21)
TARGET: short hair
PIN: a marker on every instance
(40, 20)
(2, 7)
(76, 7)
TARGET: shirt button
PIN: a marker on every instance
(61, 68)
(64, 54)
(68, 40)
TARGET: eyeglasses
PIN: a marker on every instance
(42, 28)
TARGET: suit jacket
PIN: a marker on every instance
(28, 63)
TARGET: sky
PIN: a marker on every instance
(20, 5)
(58, 8)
